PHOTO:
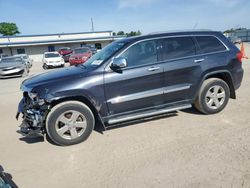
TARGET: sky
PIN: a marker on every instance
(64, 16)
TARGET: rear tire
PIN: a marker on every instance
(213, 96)
(70, 123)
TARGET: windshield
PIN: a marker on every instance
(51, 55)
(81, 50)
(104, 54)
(13, 59)
(64, 48)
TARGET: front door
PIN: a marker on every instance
(139, 85)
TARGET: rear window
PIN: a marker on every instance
(176, 47)
(209, 44)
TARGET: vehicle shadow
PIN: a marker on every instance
(32, 140)
(7, 178)
(100, 129)
(192, 111)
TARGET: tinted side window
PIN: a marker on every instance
(209, 44)
(141, 53)
(176, 47)
(20, 51)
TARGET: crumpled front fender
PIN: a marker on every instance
(20, 108)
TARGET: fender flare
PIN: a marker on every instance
(229, 82)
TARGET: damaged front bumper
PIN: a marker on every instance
(33, 115)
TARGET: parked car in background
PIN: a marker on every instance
(65, 52)
(80, 55)
(26, 58)
(235, 39)
(2, 56)
(133, 78)
(92, 48)
(13, 67)
(52, 59)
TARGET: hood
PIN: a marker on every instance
(10, 64)
(54, 76)
(79, 55)
(53, 59)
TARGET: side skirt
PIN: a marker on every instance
(145, 114)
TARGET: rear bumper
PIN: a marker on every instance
(55, 64)
(238, 77)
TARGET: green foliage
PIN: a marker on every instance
(232, 30)
(131, 33)
(8, 29)
(120, 33)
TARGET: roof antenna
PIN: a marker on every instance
(92, 25)
(195, 25)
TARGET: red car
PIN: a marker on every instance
(65, 52)
(80, 55)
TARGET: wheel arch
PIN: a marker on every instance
(83, 100)
(223, 75)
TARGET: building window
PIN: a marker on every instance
(98, 46)
(20, 51)
(83, 44)
(51, 48)
(1, 51)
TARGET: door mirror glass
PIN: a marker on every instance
(118, 63)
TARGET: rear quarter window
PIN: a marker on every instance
(209, 44)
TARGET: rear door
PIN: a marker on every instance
(182, 68)
(140, 84)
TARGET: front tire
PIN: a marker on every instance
(69, 123)
(45, 66)
(213, 96)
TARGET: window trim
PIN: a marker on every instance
(164, 37)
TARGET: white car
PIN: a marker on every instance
(52, 59)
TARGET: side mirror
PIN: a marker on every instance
(118, 63)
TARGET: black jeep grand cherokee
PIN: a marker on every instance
(133, 78)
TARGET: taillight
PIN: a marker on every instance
(239, 56)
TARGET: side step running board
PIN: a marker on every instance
(147, 114)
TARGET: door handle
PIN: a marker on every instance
(153, 68)
(198, 60)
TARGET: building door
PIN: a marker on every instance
(51, 48)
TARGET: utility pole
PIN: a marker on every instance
(92, 25)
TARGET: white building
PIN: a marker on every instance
(36, 45)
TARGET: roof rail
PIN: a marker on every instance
(176, 31)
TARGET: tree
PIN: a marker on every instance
(121, 33)
(133, 33)
(138, 32)
(8, 29)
